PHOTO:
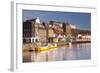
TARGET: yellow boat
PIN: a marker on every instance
(46, 48)
(51, 47)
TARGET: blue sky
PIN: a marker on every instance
(81, 20)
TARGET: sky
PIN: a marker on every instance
(81, 20)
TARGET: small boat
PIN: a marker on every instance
(42, 48)
(46, 48)
(53, 46)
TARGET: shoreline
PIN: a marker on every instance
(58, 45)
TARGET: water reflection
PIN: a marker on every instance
(74, 52)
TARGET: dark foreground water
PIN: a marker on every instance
(74, 52)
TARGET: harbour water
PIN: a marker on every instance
(80, 51)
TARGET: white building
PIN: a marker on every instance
(37, 20)
(72, 26)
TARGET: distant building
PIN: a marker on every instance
(72, 26)
(84, 36)
(37, 20)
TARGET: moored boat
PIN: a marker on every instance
(46, 48)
